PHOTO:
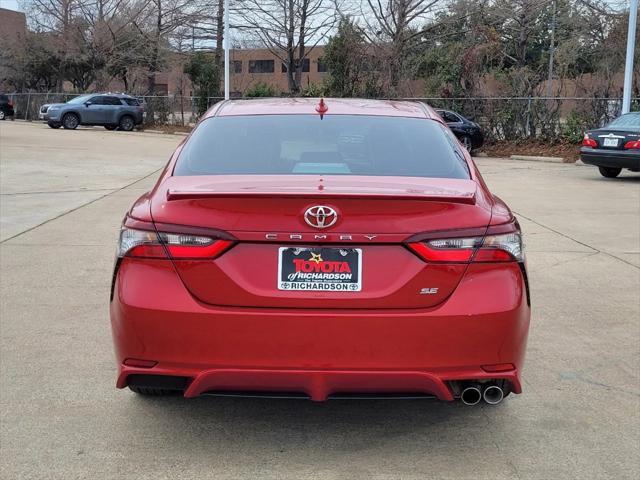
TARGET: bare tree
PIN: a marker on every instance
(290, 29)
(56, 17)
(392, 28)
(159, 21)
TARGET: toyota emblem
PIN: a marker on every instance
(320, 216)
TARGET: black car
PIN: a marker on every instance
(469, 133)
(614, 146)
(6, 107)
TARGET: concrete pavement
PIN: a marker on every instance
(61, 416)
(48, 172)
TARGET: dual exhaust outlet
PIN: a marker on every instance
(474, 392)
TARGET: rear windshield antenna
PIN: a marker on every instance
(322, 108)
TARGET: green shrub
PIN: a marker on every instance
(205, 77)
(314, 90)
(261, 89)
(572, 130)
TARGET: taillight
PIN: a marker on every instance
(139, 243)
(632, 144)
(587, 141)
(193, 246)
(149, 244)
(447, 250)
(504, 247)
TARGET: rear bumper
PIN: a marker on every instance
(320, 385)
(611, 158)
(320, 352)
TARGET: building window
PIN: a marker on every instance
(237, 66)
(322, 67)
(305, 65)
(261, 66)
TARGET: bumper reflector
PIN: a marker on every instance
(136, 362)
(499, 367)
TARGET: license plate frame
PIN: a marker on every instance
(320, 269)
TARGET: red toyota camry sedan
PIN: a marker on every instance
(321, 249)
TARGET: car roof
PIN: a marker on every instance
(336, 106)
(119, 95)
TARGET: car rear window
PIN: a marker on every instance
(133, 102)
(630, 120)
(111, 101)
(334, 145)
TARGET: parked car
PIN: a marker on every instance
(469, 133)
(320, 249)
(6, 107)
(614, 146)
(110, 110)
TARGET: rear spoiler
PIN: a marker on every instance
(462, 197)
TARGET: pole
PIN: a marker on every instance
(628, 67)
(226, 49)
(551, 50)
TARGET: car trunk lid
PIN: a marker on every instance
(613, 139)
(266, 214)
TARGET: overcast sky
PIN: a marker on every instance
(10, 4)
(13, 4)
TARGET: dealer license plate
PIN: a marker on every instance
(320, 269)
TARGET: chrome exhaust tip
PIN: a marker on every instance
(471, 395)
(493, 394)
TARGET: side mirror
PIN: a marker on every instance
(86, 104)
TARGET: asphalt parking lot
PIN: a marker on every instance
(62, 196)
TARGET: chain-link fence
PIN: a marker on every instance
(524, 118)
(502, 118)
(161, 110)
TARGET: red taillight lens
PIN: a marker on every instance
(505, 247)
(587, 141)
(193, 246)
(148, 244)
(457, 250)
(632, 144)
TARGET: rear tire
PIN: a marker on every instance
(466, 143)
(70, 121)
(153, 392)
(2, 115)
(54, 125)
(127, 123)
(609, 172)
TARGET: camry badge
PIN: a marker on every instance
(320, 216)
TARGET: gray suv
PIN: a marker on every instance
(107, 109)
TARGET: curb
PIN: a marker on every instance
(534, 158)
(144, 130)
(160, 132)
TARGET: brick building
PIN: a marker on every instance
(13, 29)
(259, 65)
(248, 68)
